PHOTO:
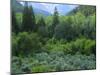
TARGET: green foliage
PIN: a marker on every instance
(64, 30)
(55, 21)
(28, 23)
(89, 29)
(29, 43)
(15, 27)
(53, 43)
(19, 17)
(48, 20)
(83, 46)
(55, 17)
(70, 28)
(17, 7)
(15, 67)
(53, 62)
(85, 10)
(41, 28)
(41, 22)
(26, 43)
(77, 25)
(15, 40)
(41, 68)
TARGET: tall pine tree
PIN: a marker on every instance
(55, 22)
(41, 22)
(28, 23)
(15, 27)
(31, 19)
(41, 27)
(55, 17)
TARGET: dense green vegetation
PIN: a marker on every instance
(53, 43)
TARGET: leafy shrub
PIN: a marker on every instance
(64, 30)
(58, 43)
(54, 45)
(26, 43)
(15, 40)
(15, 67)
(84, 46)
(81, 45)
(89, 29)
(43, 62)
(41, 68)
(90, 47)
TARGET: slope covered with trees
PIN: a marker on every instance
(53, 43)
(86, 10)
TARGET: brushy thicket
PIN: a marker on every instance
(54, 55)
(44, 62)
(53, 43)
(81, 45)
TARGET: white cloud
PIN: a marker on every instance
(50, 7)
(21, 3)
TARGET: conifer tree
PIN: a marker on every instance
(41, 22)
(15, 27)
(31, 19)
(28, 23)
(41, 27)
(55, 17)
(55, 22)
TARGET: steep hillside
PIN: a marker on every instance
(86, 10)
(18, 7)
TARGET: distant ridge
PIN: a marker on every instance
(46, 9)
(17, 7)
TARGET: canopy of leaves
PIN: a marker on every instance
(45, 43)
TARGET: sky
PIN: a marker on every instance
(49, 7)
